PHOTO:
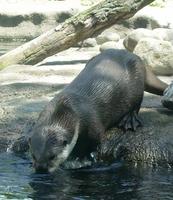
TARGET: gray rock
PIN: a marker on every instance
(164, 33)
(121, 30)
(151, 144)
(90, 42)
(120, 44)
(135, 36)
(107, 36)
(108, 45)
(151, 18)
(112, 45)
(156, 54)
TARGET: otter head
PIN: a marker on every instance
(51, 146)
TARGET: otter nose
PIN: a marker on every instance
(41, 168)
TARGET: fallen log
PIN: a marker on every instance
(75, 29)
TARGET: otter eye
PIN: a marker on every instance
(64, 143)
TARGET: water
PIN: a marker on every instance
(121, 182)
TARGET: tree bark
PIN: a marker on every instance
(75, 29)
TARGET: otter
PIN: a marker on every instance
(108, 92)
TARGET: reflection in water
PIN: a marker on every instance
(123, 182)
(14, 177)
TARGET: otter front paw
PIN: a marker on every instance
(167, 99)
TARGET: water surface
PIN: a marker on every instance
(121, 182)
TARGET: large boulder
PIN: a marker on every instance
(151, 144)
(132, 39)
(156, 54)
(135, 36)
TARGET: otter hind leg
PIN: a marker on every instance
(156, 86)
(130, 121)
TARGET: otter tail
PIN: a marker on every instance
(153, 84)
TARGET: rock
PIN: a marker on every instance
(164, 33)
(156, 54)
(135, 36)
(107, 36)
(151, 18)
(108, 45)
(151, 144)
(90, 42)
(120, 44)
(121, 30)
(157, 16)
(112, 45)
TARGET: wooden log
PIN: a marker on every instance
(75, 29)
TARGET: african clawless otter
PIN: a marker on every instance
(108, 92)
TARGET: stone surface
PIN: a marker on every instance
(135, 36)
(112, 45)
(156, 54)
(151, 144)
(164, 34)
(108, 45)
(106, 36)
(121, 30)
(90, 42)
(152, 17)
